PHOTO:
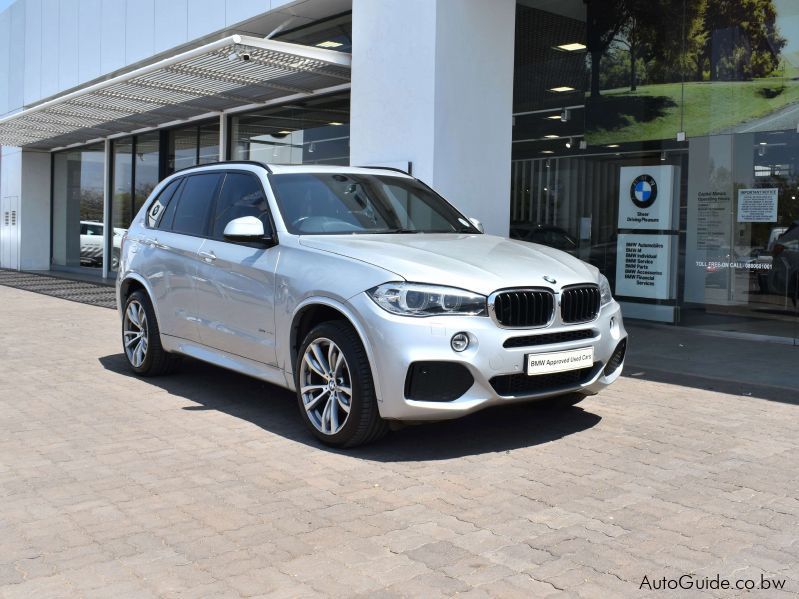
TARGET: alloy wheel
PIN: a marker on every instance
(325, 386)
(135, 334)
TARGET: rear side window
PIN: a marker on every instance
(159, 206)
(194, 204)
(241, 195)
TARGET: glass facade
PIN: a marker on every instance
(658, 141)
(78, 207)
(314, 131)
(139, 162)
(189, 146)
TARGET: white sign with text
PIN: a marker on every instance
(644, 266)
(758, 205)
(646, 197)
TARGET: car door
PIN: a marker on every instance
(236, 281)
(172, 251)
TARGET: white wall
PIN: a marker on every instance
(432, 83)
(48, 46)
(34, 222)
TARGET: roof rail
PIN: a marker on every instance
(387, 168)
(226, 162)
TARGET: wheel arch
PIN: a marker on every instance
(316, 310)
(131, 283)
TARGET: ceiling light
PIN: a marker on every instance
(763, 143)
(554, 117)
(329, 44)
(284, 132)
(572, 47)
(561, 88)
(550, 136)
(335, 123)
(612, 146)
(569, 143)
(547, 152)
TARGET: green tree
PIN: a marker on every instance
(605, 18)
(742, 40)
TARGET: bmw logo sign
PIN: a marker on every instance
(644, 191)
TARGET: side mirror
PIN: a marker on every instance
(477, 224)
(246, 228)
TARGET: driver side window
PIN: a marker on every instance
(241, 195)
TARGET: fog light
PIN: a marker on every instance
(459, 341)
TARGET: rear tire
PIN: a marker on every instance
(335, 389)
(141, 338)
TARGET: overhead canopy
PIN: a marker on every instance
(232, 72)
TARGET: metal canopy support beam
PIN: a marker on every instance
(224, 75)
(108, 230)
(224, 135)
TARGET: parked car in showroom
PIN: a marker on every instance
(784, 273)
(91, 244)
(364, 292)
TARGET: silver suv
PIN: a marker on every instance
(363, 291)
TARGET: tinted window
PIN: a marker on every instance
(335, 203)
(241, 195)
(194, 204)
(158, 207)
(91, 229)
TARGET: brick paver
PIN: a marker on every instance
(205, 484)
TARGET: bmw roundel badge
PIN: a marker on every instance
(644, 191)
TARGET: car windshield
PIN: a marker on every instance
(337, 203)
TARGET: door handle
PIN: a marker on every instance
(207, 256)
(150, 241)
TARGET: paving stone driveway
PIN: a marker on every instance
(205, 484)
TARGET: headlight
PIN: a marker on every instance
(604, 290)
(414, 299)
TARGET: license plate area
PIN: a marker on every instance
(559, 361)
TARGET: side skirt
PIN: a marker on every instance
(258, 370)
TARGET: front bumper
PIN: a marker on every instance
(396, 342)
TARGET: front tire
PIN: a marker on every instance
(335, 390)
(141, 339)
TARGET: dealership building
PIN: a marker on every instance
(660, 145)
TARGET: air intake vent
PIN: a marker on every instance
(549, 338)
(519, 385)
(579, 303)
(522, 308)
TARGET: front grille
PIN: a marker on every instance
(517, 385)
(549, 338)
(524, 307)
(580, 303)
(617, 358)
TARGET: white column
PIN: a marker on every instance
(432, 84)
(30, 175)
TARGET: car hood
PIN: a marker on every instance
(479, 263)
